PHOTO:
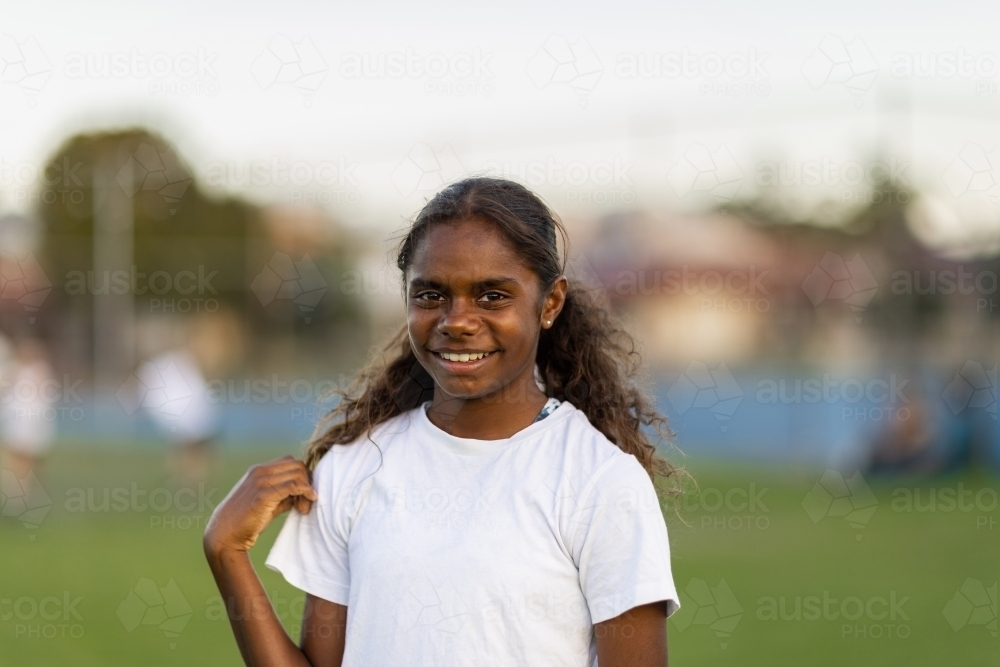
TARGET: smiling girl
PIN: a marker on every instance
(483, 495)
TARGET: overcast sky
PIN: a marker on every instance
(368, 107)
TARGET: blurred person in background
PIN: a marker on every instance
(27, 420)
(179, 399)
(182, 412)
(924, 437)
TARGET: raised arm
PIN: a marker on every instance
(266, 491)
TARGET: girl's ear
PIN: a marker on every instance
(554, 301)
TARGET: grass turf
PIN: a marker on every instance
(127, 585)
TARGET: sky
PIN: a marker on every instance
(367, 108)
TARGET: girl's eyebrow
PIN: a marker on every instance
(489, 283)
(493, 283)
(420, 283)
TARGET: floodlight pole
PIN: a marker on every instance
(114, 313)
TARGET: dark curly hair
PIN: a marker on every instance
(586, 357)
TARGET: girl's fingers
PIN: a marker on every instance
(278, 467)
(292, 476)
(278, 492)
(283, 506)
(300, 503)
(303, 504)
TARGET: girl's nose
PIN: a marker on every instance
(459, 320)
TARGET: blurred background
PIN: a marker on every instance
(794, 209)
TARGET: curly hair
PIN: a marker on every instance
(586, 357)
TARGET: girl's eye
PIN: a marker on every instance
(492, 297)
(428, 296)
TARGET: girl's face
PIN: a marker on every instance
(474, 312)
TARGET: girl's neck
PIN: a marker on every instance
(497, 416)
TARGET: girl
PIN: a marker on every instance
(483, 496)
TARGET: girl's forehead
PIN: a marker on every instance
(467, 253)
(464, 242)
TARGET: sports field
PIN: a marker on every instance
(773, 569)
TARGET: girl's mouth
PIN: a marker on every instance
(459, 362)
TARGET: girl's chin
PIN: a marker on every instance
(484, 391)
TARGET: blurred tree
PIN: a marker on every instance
(177, 228)
(189, 251)
(912, 300)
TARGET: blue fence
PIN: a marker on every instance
(816, 420)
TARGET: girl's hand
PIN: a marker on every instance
(265, 491)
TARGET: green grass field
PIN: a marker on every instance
(96, 586)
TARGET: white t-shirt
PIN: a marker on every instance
(456, 551)
(26, 423)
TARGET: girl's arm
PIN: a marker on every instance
(265, 492)
(637, 638)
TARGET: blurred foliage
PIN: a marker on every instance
(176, 226)
(879, 231)
(221, 242)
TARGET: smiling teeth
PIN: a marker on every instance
(451, 356)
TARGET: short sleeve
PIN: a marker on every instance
(620, 542)
(311, 550)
